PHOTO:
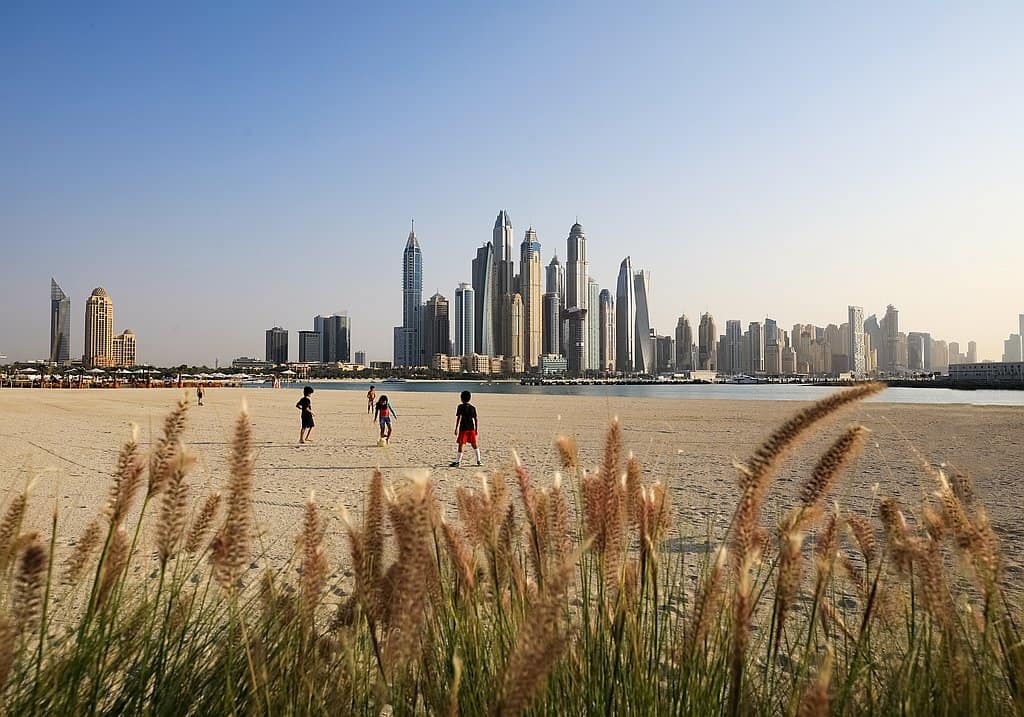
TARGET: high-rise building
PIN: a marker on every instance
(504, 276)
(409, 336)
(335, 338)
(99, 329)
(1012, 349)
(465, 327)
(707, 338)
(360, 358)
(436, 328)
(732, 360)
(646, 362)
(532, 290)
(664, 353)
(60, 324)
(757, 347)
(771, 331)
(517, 331)
(577, 300)
(972, 352)
(123, 349)
(856, 348)
(684, 344)
(552, 324)
(554, 318)
(625, 319)
(310, 349)
(875, 336)
(594, 325)
(917, 351)
(940, 356)
(607, 339)
(483, 293)
(277, 345)
(890, 325)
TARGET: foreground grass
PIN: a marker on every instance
(555, 600)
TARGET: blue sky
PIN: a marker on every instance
(222, 170)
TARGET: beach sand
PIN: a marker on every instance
(67, 442)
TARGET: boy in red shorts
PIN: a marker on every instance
(465, 428)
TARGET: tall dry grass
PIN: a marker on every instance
(556, 595)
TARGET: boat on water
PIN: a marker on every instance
(393, 379)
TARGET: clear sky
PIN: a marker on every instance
(222, 170)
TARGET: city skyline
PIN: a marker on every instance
(750, 180)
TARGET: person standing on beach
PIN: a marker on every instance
(371, 398)
(199, 394)
(306, 406)
(465, 428)
(383, 412)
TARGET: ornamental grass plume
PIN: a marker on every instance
(561, 542)
(86, 546)
(757, 472)
(29, 586)
(170, 526)
(706, 604)
(815, 700)
(538, 644)
(232, 545)
(10, 527)
(790, 571)
(826, 471)
(8, 641)
(114, 563)
(202, 522)
(460, 554)
(163, 452)
(864, 534)
(314, 556)
(127, 479)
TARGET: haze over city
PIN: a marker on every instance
(222, 175)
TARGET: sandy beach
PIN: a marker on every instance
(67, 443)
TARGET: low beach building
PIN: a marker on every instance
(994, 373)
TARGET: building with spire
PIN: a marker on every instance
(99, 330)
(532, 290)
(577, 301)
(60, 325)
(409, 336)
(504, 280)
(483, 293)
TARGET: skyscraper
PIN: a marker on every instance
(972, 352)
(756, 331)
(594, 325)
(644, 352)
(436, 328)
(731, 361)
(532, 290)
(504, 275)
(465, 327)
(552, 324)
(856, 348)
(517, 328)
(607, 339)
(554, 282)
(483, 293)
(409, 336)
(684, 344)
(891, 328)
(99, 329)
(60, 324)
(625, 319)
(576, 300)
(335, 338)
(277, 345)
(310, 350)
(876, 337)
(707, 338)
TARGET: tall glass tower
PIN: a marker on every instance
(483, 292)
(465, 327)
(409, 336)
(60, 324)
(625, 319)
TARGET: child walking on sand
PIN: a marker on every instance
(465, 428)
(371, 398)
(383, 411)
(306, 406)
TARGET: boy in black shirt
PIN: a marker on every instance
(306, 406)
(465, 428)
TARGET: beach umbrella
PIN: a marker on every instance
(95, 371)
(28, 370)
(218, 375)
(288, 372)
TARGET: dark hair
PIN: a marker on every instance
(465, 396)
(371, 385)
(307, 390)
(382, 400)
